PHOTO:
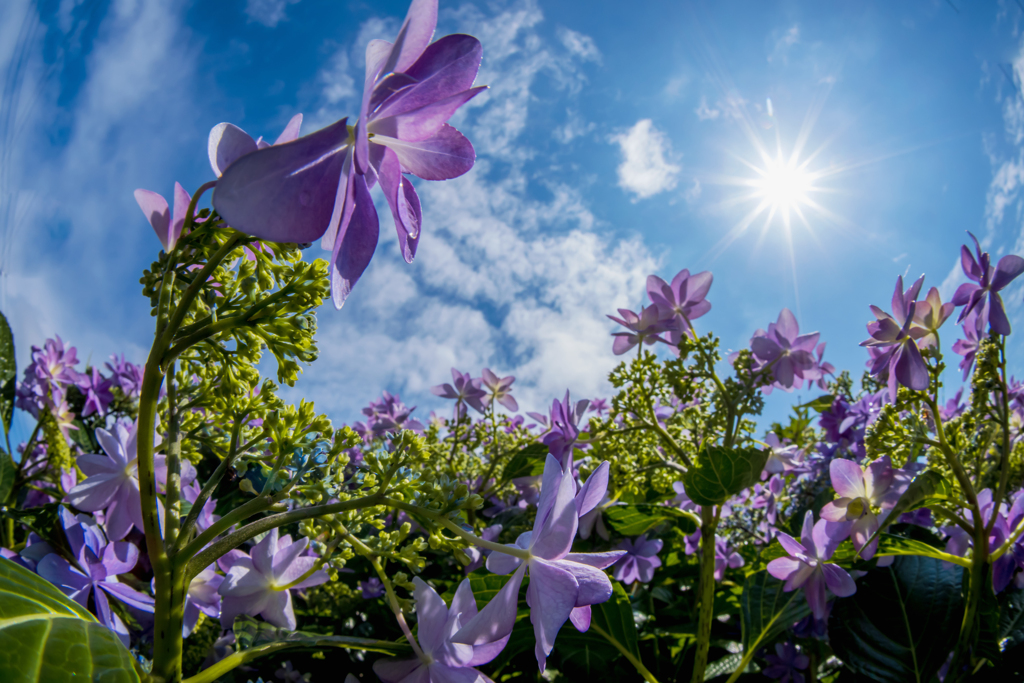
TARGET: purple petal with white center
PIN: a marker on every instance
(847, 478)
(445, 155)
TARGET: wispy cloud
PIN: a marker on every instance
(706, 113)
(782, 41)
(645, 169)
(270, 13)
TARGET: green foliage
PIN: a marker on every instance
(897, 627)
(8, 473)
(529, 462)
(720, 473)
(8, 375)
(250, 633)
(767, 610)
(47, 638)
(633, 520)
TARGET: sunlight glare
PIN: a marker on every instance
(783, 184)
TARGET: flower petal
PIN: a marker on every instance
(157, 213)
(356, 241)
(445, 155)
(227, 144)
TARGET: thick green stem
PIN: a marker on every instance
(971, 622)
(239, 514)
(172, 496)
(709, 522)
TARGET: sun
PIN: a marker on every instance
(784, 184)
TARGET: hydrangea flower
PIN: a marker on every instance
(260, 584)
(97, 392)
(463, 389)
(166, 225)
(101, 562)
(960, 541)
(563, 585)
(788, 354)
(371, 589)
(785, 665)
(896, 339)
(866, 496)
(807, 566)
(968, 347)
(684, 299)
(982, 295)
(643, 329)
(202, 597)
(499, 390)
(126, 375)
(390, 414)
(725, 557)
(930, 313)
(565, 419)
(228, 143)
(319, 185)
(640, 560)
(445, 658)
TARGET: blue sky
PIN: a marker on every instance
(613, 144)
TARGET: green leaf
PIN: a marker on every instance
(888, 544)
(47, 638)
(528, 462)
(1011, 620)
(820, 404)
(633, 520)
(250, 633)
(614, 620)
(8, 372)
(7, 474)
(902, 623)
(45, 521)
(725, 665)
(766, 610)
(720, 473)
(927, 488)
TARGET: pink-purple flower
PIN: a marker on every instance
(166, 225)
(463, 390)
(498, 389)
(640, 560)
(982, 295)
(684, 299)
(807, 566)
(645, 328)
(866, 494)
(788, 354)
(895, 338)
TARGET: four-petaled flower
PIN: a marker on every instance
(166, 225)
(500, 390)
(983, 297)
(862, 491)
(785, 664)
(683, 300)
(898, 337)
(565, 418)
(807, 566)
(640, 560)
(463, 389)
(644, 328)
(788, 354)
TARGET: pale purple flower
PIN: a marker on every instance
(390, 414)
(866, 496)
(97, 392)
(788, 354)
(463, 389)
(785, 665)
(479, 555)
(640, 560)
(257, 585)
(782, 457)
(565, 419)
(500, 390)
(954, 406)
(983, 297)
(202, 597)
(725, 557)
(643, 329)
(930, 313)
(319, 185)
(112, 480)
(968, 348)
(896, 338)
(228, 143)
(442, 634)
(126, 375)
(101, 562)
(166, 225)
(960, 541)
(683, 300)
(807, 566)
(371, 589)
(682, 500)
(767, 498)
(563, 585)
(54, 365)
(599, 406)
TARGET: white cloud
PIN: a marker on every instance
(574, 127)
(645, 170)
(270, 13)
(693, 193)
(580, 45)
(675, 86)
(706, 113)
(782, 43)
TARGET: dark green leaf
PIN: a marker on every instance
(251, 633)
(633, 520)
(47, 638)
(7, 475)
(720, 473)
(528, 462)
(45, 521)
(766, 610)
(614, 620)
(725, 665)
(903, 621)
(820, 404)
(8, 372)
(1011, 620)
(927, 487)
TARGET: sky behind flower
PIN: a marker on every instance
(611, 145)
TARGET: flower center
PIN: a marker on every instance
(857, 508)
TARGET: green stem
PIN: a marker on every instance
(748, 653)
(633, 659)
(172, 496)
(239, 514)
(456, 529)
(709, 522)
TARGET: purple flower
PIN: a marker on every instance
(960, 541)
(202, 596)
(806, 566)
(477, 555)
(319, 185)
(599, 406)
(500, 390)
(99, 563)
(167, 226)
(259, 584)
(782, 458)
(683, 300)
(644, 328)
(930, 313)
(565, 418)
(789, 354)
(682, 500)
(866, 496)
(112, 481)
(767, 498)
(640, 560)
(785, 664)
(725, 556)
(895, 334)
(53, 364)
(441, 636)
(563, 585)
(371, 589)
(968, 348)
(126, 375)
(463, 389)
(228, 143)
(983, 297)
(97, 392)
(954, 407)
(389, 414)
